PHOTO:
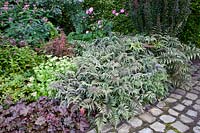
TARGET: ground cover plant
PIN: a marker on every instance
(85, 57)
(169, 51)
(111, 82)
(45, 115)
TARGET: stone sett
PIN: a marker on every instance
(198, 101)
(191, 113)
(186, 119)
(147, 117)
(187, 102)
(124, 128)
(179, 107)
(135, 122)
(180, 92)
(196, 107)
(155, 111)
(161, 104)
(173, 112)
(146, 130)
(170, 100)
(171, 131)
(196, 129)
(195, 91)
(158, 127)
(180, 126)
(191, 96)
(167, 118)
(176, 96)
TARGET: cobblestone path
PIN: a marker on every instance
(178, 113)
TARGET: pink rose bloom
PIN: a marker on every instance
(99, 22)
(91, 9)
(122, 11)
(116, 14)
(87, 12)
(113, 12)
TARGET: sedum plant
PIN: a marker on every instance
(110, 83)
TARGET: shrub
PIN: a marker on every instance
(17, 60)
(191, 32)
(16, 66)
(160, 15)
(110, 82)
(46, 73)
(58, 47)
(42, 116)
(169, 51)
(25, 23)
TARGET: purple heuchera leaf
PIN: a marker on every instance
(40, 121)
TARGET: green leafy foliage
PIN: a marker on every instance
(160, 15)
(191, 32)
(17, 60)
(46, 73)
(25, 23)
(172, 53)
(16, 65)
(110, 82)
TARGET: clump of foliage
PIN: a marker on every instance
(46, 73)
(110, 82)
(16, 66)
(17, 60)
(43, 115)
(160, 15)
(57, 47)
(169, 51)
(25, 23)
(191, 32)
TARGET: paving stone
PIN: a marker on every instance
(179, 107)
(158, 127)
(198, 123)
(167, 118)
(171, 131)
(198, 101)
(197, 87)
(197, 107)
(191, 96)
(170, 100)
(176, 96)
(186, 119)
(196, 129)
(195, 91)
(124, 128)
(180, 91)
(187, 102)
(191, 113)
(155, 111)
(92, 131)
(180, 126)
(135, 122)
(173, 112)
(106, 128)
(161, 104)
(146, 130)
(147, 117)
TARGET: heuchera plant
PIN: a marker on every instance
(43, 116)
